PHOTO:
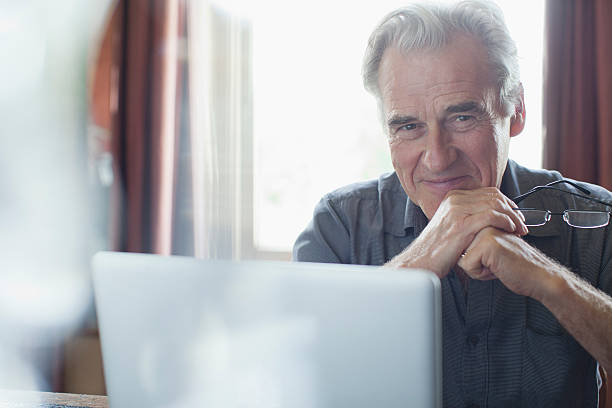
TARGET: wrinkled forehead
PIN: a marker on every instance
(456, 72)
(463, 59)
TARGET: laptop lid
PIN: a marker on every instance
(180, 332)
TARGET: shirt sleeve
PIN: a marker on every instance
(325, 239)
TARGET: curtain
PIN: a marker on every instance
(221, 139)
(578, 90)
(146, 130)
(170, 138)
(577, 111)
(181, 138)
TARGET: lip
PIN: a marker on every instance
(446, 184)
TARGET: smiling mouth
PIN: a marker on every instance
(446, 184)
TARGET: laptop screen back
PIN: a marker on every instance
(180, 332)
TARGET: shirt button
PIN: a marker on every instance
(473, 340)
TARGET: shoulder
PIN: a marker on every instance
(347, 219)
(370, 190)
(368, 205)
(595, 190)
(525, 179)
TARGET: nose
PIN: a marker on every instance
(439, 152)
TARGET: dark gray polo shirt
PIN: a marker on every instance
(499, 349)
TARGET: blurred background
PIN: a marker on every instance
(211, 128)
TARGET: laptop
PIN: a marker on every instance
(183, 332)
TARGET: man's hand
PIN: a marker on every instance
(520, 267)
(459, 218)
(584, 311)
(478, 231)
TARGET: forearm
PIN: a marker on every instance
(416, 255)
(420, 254)
(584, 311)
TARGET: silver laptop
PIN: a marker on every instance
(182, 332)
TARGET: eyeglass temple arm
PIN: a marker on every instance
(520, 198)
(571, 183)
(538, 188)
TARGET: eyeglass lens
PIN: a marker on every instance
(578, 219)
(586, 219)
(535, 218)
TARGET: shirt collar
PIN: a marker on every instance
(414, 217)
(399, 214)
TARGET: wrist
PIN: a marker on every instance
(412, 257)
(554, 287)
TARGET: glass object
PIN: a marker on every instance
(575, 218)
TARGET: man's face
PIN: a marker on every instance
(445, 128)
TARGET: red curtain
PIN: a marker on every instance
(578, 89)
(145, 128)
(578, 96)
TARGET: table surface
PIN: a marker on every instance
(35, 399)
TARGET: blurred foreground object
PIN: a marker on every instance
(44, 210)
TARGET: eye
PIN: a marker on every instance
(461, 123)
(464, 118)
(409, 126)
(407, 131)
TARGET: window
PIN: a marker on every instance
(314, 126)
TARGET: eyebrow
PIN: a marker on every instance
(469, 106)
(397, 120)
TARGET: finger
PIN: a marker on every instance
(488, 199)
(492, 218)
(478, 273)
(507, 206)
(486, 274)
(474, 224)
(471, 262)
(488, 277)
(516, 215)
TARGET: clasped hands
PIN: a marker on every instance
(478, 231)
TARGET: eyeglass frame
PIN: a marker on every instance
(549, 186)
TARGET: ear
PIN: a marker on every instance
(517, 121)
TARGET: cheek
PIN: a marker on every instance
(502, 140)
(488, 150)
(403, 156)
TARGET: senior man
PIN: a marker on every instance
(527, 314)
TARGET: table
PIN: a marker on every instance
(35, 399)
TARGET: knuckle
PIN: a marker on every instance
(454, 212)
(497, 218)
(452, 197)
(500, 202)
(489, 233)
(491, 215)
(455, 229)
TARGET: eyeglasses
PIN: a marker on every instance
(575, 218)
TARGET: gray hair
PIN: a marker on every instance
(431, 26)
